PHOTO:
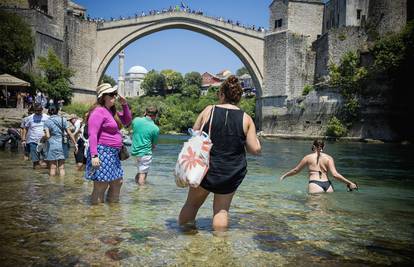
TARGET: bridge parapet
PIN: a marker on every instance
(181, 15)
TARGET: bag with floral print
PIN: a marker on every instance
(194, 158)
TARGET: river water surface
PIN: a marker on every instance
(49, 221)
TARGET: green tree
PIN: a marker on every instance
(154, 83)
(55, 80)
(241, 71)
(191, 90)
(16, 42)
(193, 78)
(108, 79)
(174, 80)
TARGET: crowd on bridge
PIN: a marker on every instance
(177, 8)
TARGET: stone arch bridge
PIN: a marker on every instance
(113, 36)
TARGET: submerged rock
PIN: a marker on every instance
(111, 240)
(116, 254)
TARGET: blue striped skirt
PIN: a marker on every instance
(110, 168)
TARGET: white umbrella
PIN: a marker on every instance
(10, 80)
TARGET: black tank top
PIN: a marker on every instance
(228, 155)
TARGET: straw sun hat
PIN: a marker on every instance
(105, 88)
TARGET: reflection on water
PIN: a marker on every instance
(48, 221)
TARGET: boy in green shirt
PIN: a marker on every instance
(144, 139)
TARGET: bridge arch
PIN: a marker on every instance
(246, 44)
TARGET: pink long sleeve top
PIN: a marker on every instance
(103, 130)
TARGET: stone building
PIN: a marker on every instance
(340, 13)
(133, 80)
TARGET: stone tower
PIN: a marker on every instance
(288, 60)
(121, 77)
(388, 15)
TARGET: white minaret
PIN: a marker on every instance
(121, 78)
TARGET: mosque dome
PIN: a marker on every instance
(137, 70)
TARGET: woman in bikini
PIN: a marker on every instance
(319, 164)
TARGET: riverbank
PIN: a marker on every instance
(330, 138)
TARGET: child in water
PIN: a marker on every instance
(319, 164)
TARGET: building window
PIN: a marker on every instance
(359, 13)
(278, 23)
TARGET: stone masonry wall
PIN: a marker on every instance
(300, 64)
(275, 52)
(387, 15)
(306, 19)
(334, 44)
(80, 48)
(278, 10)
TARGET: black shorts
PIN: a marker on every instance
(80, 156)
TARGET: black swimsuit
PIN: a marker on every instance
(228, 155)
(323, 184)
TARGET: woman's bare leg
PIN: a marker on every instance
(114, 190)
(221, 206)
(195, 198)
(61, 164)
(52, 167)
(98, 193)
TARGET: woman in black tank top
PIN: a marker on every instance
(232, 133)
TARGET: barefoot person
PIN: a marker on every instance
(232, 133)
(33, 134)
(319, 164)
(56, 134)
(103, 165)
(79, 125)
(144, 139)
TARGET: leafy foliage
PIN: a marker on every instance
(335, 128)
(178, 112)
(154, 83)
(307, 89)
(174, 80)
(55, 80)
(193, 78)
(349, 77)
(241, 71)
(108, 79)
(77, 108)
(16, 43)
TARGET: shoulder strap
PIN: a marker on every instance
(211, 116)
(60, 127)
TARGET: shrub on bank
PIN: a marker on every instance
(335, 128)
(77, 108)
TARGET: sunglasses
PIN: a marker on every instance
(113, 94)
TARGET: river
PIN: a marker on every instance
(48, 221)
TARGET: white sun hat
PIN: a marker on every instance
(105, 88)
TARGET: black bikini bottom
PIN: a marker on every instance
(323, 184)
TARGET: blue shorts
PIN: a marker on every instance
(34, 155)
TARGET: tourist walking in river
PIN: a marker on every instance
(30, 111)
(232, 133)
(79, 134)
(57, 149)
(34, 134)
(103, 165)
(319, 164)
(144, 139)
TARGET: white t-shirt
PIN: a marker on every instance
(34, 124)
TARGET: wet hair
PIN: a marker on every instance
(151, 110)
(232, 90)
(318, 144)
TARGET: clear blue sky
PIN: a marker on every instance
(180, 50)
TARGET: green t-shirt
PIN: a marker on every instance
(144, 135)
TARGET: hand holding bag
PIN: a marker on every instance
(123, 153)
(194, 158)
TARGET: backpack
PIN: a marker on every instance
(194, 159)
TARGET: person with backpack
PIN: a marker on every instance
(56, 133)
(232, 133)
(81, 138)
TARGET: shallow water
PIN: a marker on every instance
(49, 221)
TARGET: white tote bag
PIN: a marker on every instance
(194, 158)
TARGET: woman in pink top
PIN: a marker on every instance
(103, 165)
